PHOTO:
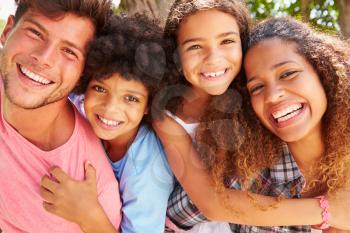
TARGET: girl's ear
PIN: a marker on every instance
(7, 29)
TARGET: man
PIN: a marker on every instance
(42, 59)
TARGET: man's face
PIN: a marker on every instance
(42, 58)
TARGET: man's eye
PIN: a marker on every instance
(69, 52)
(33, 32)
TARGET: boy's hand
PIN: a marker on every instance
(73, 200)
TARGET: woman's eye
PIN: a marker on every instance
(131, 98)
(99, 89)
(288, 74)
(256, 89)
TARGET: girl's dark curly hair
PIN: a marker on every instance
(180, 10)
(131, 46)
(249, 147)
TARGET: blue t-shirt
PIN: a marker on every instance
(145, 181)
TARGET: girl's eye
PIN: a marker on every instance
(256, 89)
(131, 98)
(228, 41)
(194, 47)
(288, 75)
(99, 89)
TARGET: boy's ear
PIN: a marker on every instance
(7, 29)
(146, 111)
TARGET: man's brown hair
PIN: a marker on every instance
(96, 10)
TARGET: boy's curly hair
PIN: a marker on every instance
(131, 46)
(248, 146)
(179, 11)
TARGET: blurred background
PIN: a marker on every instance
(327, 15)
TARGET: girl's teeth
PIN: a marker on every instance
(34, 77)
(214, 74)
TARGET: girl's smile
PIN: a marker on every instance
(210, 50)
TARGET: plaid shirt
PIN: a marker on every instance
(283, 179)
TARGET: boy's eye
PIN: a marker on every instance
(256, 89)
(131, 98)
(288, 75)
(99, 89)
(228, 41)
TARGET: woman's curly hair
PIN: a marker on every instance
(171, 97)
(245, 146)
(131, 46)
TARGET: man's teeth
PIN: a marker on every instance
(287, 113)
(214, 74)
(34, 77)
(109, 122)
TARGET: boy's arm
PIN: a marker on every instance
(78, 201)
(190, 172)
(146, 184)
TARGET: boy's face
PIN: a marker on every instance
(115, 107)
(43, 58)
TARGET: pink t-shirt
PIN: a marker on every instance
(22, 166)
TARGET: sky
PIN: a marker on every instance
(7, 7)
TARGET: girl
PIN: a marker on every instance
(123, 71)
(203, 32)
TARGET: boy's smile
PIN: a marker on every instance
(115, 107)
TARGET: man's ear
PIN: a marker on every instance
(7, 29)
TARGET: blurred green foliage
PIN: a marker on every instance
(323, 14)
(2, 24)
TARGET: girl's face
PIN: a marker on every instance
(115, 106)
(210, 50)
(286, 93)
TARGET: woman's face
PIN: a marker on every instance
(285, 90)
(210, 50)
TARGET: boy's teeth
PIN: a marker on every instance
(214, 74)
(290, 110)
(109, 122)
(34, 77)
